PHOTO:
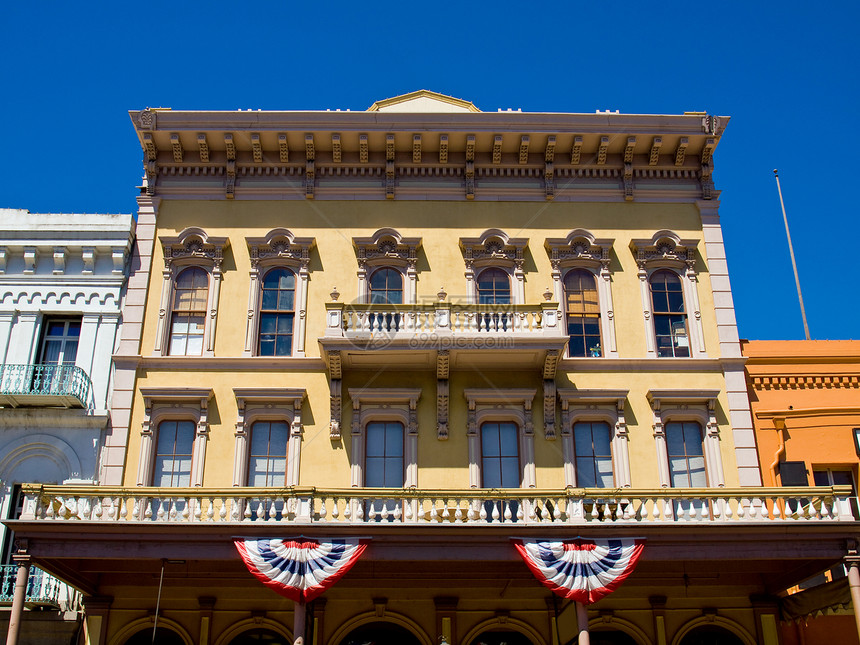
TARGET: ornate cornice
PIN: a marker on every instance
(805, 381)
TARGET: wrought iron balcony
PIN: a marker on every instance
(528, 506)
(43, 589)
(40, 385)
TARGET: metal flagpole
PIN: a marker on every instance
(158, 602)
(791, 251)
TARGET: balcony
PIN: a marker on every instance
(65, 386)
(373, 335)
(468, 507)
(43, 589)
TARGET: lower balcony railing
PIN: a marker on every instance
(42, 588)
(302, 505)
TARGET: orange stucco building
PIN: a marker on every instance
(806, 414)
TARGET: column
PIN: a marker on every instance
(19, 598)
(765, 609)
(206, 604)
(100, 374)
(658, 610)
(852, 562)
(23, 341)
(6, 319)
(96, 609)
(446, 619)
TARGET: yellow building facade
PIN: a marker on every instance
(438, 329)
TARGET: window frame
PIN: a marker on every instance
(158, 435)
(484, 457)
(268, 404)
(567, 314)
(501, 405)
(193, 247)
(387, 248)
(608, 406)
(686, 456)
(669, 314)
(688, 405)
(593, 457)
(666, 250)
(580, 250)
(370, 405)
(494, 249)
(262, 312)
(173, 404)
(46, 321)
(366, 469)
(174, 312)
(279, 248)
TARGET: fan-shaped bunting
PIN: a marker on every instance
(583, 570)
(298, 568)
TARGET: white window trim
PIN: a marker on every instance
(173, 404)
(388, 248)
(279, 248)
(385, 404)
(581, 250)
(595, 405)
(191, 248)
(665, 250)
(688, 405)
(515, 405)
(268, 404)
(494, 249)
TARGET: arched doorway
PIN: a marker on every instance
(259, 636)
(163, 636)
(380, 633)
(607, 636)
(710, 635)
(500, 638)
(611, 637)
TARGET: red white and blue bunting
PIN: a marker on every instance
(299, 568)
(582, 570)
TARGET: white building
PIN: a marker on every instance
(61, 284)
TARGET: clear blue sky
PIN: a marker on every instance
(785, 72)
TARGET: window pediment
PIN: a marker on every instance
(193, 245)
(387, 247)
(664, 249)
(494, 247)
(579, 248)
(280, 246)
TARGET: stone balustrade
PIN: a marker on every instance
(304, 505)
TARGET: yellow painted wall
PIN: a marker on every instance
(440, 225)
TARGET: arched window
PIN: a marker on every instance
(162, 636)
(686, 454)
(277, 313)
(173, 454)
(267, 459)
(583, 313)
(593, 446)
(500, 460)
(710, 635)
(494, 287)
(670, 316)
(188, 313)
(386, 286)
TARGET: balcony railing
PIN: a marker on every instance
(42, 588)
(438, 507)
(44, 385)
(367, 321)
